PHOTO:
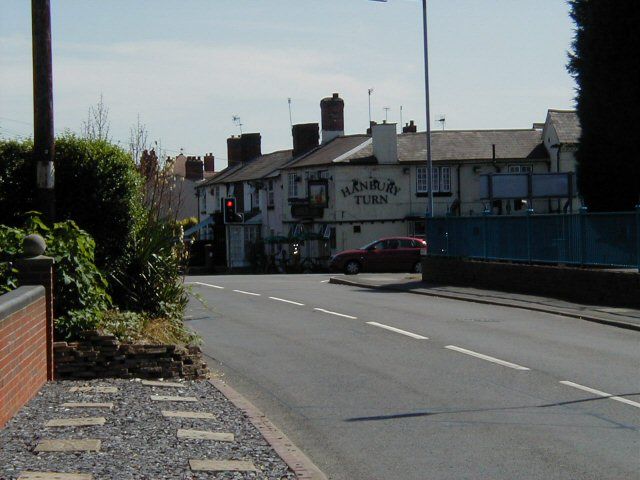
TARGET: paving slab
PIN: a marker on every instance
(76, 422)
(169, 398)
(179, 414)
(221, 466)
(88, 405)
(54, 476)
(58, 445)
(205, 435)
(94, 389)
(153, 383)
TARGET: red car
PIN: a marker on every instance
(393, 254)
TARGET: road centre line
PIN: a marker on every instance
(247, 293)
(397, 330)
(487, 358)
(204, 285)
(335, 313)
(600, 393)
(287, 301)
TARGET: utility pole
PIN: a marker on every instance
(43, 137)
(428, 113)
(370, 91)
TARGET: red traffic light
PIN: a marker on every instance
(229, 203)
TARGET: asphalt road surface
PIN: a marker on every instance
(379, 385)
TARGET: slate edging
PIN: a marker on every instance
(506, 303)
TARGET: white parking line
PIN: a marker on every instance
(600, 393)
(204, 285)
(247, 293)
(335, 313)
(487, 358)
(287, 301)
(397, 330)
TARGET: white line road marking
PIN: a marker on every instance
(287, 301)
(335, 313)
(205, 285)
(487, 358)
(397, 330)
(602, 394)
(324, 281)
(247, 293)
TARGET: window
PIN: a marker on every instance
(293, 185)
(445, 179)
(441, 181)
(357, 229)
(421, 180)
(270, 197)
(323, 174)
(519, 168)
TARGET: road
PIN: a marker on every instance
(387, 385)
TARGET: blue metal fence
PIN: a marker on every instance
(602, 239)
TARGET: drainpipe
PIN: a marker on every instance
(459, 193)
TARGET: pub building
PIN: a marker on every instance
(334, 191)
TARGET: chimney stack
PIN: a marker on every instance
(410, 127)
(371, 124)
(243, 148)
(305, 137)
(385, 143)
(332, 112)
(194, 168)
(209, 163)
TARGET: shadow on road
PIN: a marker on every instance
(477, 410)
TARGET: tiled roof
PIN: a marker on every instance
(450, 145)
(254, 169)
(259, 167)
(566, 124)
(327, 153)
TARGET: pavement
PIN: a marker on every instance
(381, 384)
(614, 316)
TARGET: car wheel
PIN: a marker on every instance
(352, 268)
(417, 267)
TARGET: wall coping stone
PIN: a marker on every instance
(19, 298)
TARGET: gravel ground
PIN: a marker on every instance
(137, 441)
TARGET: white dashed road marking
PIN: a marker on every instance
(397, 330)
(487, 358)
(247, 293)
(600, 393)
(287, 301)
(205, 285)
(335, 313)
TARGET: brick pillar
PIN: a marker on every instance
(37, 269)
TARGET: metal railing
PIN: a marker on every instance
(596, 239)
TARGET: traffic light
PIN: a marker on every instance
(229, 211)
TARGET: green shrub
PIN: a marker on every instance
(148, 276)
(80, 288)
(17, 181)
(97, 186)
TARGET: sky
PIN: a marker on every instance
(187, 67)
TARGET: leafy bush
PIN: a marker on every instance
(147, 278)
(80, 288)
(97, 186)
(17, 181)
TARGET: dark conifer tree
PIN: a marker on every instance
(606, 65)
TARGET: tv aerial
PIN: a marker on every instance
(237, 122)
(442, 119)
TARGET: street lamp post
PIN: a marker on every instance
(429, 212)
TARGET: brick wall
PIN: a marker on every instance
(582, 285)
(23, 348)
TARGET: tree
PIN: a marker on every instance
(138, 140)
(606, 67)
(97, 125)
